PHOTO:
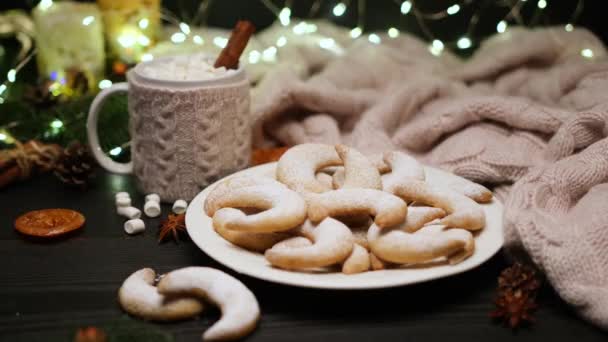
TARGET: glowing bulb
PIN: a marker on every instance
(541, 4)
(184, 27)
(146, 57)
(284, 16)
(103, 84)
(11, 75)
(339, 9)
(143, 40)
(453, 9)
(374, 38)
(116, 151)
(304, 27)
(569, 27)
(2, 88)
(56, 124)
(269, 55)
(45, 4)
(406, 7)
(220, 41)
(2, 136)
(327, 43)
(198, 40)
(464, 43)
(281, 41)
(254, 56)
(393, 32)
(501, 26)
(436, 47)
(356, 32)
(178, 37)
(587, 53)
(143, 23)
(88, 20)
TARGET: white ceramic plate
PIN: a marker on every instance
(199, 226)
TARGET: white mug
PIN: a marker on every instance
(184, 134)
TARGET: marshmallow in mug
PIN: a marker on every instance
(183, 68)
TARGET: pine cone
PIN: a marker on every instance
(516, 295)
(518, 277)
(75, 166)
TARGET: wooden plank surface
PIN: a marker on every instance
(49, 289)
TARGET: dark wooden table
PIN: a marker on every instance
(49, 289)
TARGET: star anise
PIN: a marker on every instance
(172, 227)
(516, 296)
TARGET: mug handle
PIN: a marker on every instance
(105, 161)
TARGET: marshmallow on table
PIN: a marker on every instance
(129, 212)
(134, 226)
(180, 206)
(152, 208)
(123, 201)
(122, 194)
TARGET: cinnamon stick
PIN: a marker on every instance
(229, 57)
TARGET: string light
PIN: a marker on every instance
(374, 38)
(116, 151)
(254, 56)
(587, 53)
(2, 137)
(393, 32)
(146, 57)
(339, 9)
(541, 4)
(569, 27)
(178, 37)
(143, 23)
(270, 54)
(2, 88)
(453, 9)
(56, 124)
(356, 32)
(143, 40)
(464, 43)
(185, 28)
(11, 75)
(198, 40)
(220, 41)
(45, 4)
(281, 41)
(285, 16)
(436, 47)
(128, 38)
(103, 84)
(501, 26)
(406, 7)
(327, 43)
(88, 20)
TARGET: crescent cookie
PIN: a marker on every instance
(398, 246)
(357, 262)
(462, 211)
(239, 307)
(138, 296)
(387, 209)
(403, 168)
(332, 243)
(257, 242)
(359, 172)
(220, 190)
(282, 209)
(298, 166)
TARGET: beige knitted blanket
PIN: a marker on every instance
(526, 115)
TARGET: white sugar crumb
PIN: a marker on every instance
(195, 67)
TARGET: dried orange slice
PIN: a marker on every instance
(49, 222)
